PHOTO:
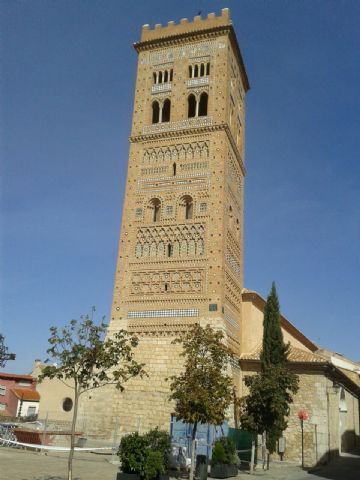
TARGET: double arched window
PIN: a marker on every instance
(187, 207)
(154, 209)
(161, 111)
(197, 106)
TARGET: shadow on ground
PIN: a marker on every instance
(346, 467)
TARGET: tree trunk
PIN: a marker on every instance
(72, 438)
(236, 409)
(193, 442)
(264, 449)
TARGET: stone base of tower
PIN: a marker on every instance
(144, 404)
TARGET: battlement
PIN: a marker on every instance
(186, 26)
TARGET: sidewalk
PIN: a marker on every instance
(26, 465)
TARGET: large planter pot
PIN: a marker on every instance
(127, 476)
(135, 476)
(224, 471)
(164, 476)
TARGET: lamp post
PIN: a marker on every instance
(302, 415)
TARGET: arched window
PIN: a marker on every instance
(160, 77)
(190, 71)
(342, 401)
(202, 70)
(155, 207)
(208, 69)
(154, 77)
(169, 250)
(203, 104)
(166, 111)
(196, 71)
(171, 75)
(187, 205)
(166, 75)
(155, 112)
(174, 169)
(191, 106)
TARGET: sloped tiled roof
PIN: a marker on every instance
(354, 377)
(295, 355)
(26, 394)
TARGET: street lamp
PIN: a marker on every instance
(302, 415)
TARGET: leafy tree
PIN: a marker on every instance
(4, 355)
(265, 408)
(203, 391)
(89, 361)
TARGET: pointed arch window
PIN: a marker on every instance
(166, 111)
(191, 106)
(203, 103)
(155, 112)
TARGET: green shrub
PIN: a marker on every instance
(224, 451)
(146, 455)
(154, 464)
(159, 440)
(132, 453)
(218, 454)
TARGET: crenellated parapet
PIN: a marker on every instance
(185, 26)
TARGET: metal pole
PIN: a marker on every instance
(116, 429)
(44, 431)
(302, 443)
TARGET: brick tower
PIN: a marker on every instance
(181, 247)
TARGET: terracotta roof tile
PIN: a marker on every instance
(295, 355)
(16, 376)
(26, 394)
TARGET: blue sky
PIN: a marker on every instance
(68, 70)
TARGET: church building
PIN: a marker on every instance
(181, 250)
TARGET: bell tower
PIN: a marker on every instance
(180, 257)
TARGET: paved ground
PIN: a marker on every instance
(25, 465)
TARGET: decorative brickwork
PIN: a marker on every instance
(180, 258)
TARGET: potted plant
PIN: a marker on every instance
(224, 459)
(144, 457)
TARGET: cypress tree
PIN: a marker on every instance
(271, 391)
(274, 351)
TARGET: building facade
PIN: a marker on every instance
(18, 396)
(180, 257)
